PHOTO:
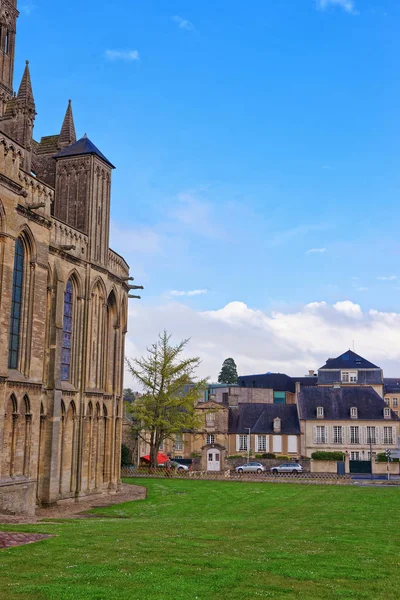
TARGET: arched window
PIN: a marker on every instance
(16, 305)
(67, 332)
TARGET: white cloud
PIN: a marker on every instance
(287, 342)
(127, 55)
(362, 289)
(183, 23)
(316, 251)
(347, 5)
(187, 292)
(387, 278)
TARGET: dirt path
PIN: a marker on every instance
(70, 509)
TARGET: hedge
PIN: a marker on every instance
(381, 458)
(334, 456)
(266, 455)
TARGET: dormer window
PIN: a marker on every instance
(386, 413)
(277, 425)
(349, 377)
(320, 412)
(354, 412)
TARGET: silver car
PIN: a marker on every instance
(251, 467)
(287, 468)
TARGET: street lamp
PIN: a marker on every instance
(248, 443)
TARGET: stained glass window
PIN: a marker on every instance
(16, 306)
(67, 332)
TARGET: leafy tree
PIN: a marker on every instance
(170, 393)
(228, 372)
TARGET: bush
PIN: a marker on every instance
(381, 458)
(283, 457)
(195, 455)
(236, 456)
(334, 456)
(125, 456)
(267, 455)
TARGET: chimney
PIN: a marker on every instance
(311, 372)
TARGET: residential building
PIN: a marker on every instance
(347, 419)
(350, 369)
(262, 428)
(63, 305)
(392, 394)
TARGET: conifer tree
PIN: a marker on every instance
(228, 372)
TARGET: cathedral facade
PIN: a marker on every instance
(63, 306)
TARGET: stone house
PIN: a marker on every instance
(351, 370)
(63, 305)
(262, 428)
(392, 394)
(348, 419)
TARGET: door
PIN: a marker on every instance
(213, 460)
(360, 466)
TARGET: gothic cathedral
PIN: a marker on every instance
(63, 306)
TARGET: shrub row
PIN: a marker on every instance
(334, 456)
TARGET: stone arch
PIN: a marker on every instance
(97, 334)
(87, 447)
(22, 462)
(3, 222)
(112, 362)
(72, 329)
(19, 354)
(41, 453)
(9, 436)
(28, 239)
(97, 467)
(68, 472)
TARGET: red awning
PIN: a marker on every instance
(161, 458)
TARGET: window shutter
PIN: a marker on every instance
(256, 443)
(394, 435)
(348, 435)
(376, 435)
(365, 436)
(237, 443)
(267, 443)
(315, 434)
(382, 435)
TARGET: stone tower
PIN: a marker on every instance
(83, 188)
(8, 22)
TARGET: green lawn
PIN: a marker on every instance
(218, 540)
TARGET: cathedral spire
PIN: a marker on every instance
(25, 93)
(67, 134)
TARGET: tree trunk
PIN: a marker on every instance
(153, 455)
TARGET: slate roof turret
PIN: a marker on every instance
(81, 147)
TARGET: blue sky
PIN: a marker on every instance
(257, 144)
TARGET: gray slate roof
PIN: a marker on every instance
(279, 382)
(348, 360)
(337, 403)
(260, 418)
(83, 146)
(392, 385)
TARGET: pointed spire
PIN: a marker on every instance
(25, 93)
(67, 134)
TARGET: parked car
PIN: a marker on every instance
(251, 467)
(179, 466)
(287, 468)
(173, 464)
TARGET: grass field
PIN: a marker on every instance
(210, 540)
